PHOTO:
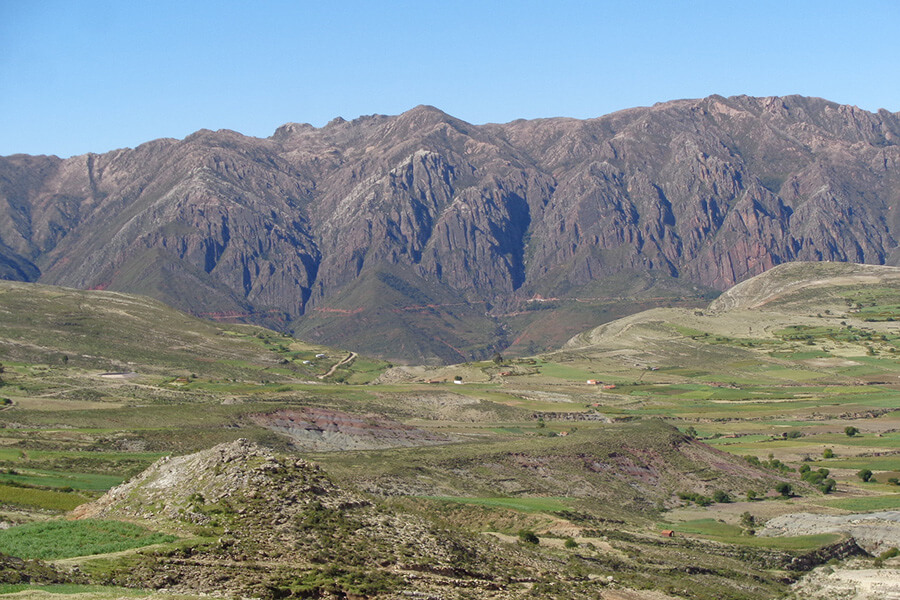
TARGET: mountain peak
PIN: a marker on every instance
(703, 193)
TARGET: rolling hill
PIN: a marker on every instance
(552, 475)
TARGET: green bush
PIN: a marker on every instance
(827, 486)
(529, 537)
(784, 489)
(721, 497)
(748, 521)
(696, 498)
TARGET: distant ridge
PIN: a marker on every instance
(421, 237)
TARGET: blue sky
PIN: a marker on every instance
(82, 76)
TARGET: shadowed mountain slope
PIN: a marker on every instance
(302, 229)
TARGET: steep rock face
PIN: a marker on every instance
(709, 191)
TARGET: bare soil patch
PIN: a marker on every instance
(854, 583)
(875, 532)
(324, 430)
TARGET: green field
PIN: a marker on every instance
(61, 479)
(872, 503)
(70, 589)
(65, 539)
(722, 532)
(37, 498)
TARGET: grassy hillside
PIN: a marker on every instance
(61, 327)
(694, 417)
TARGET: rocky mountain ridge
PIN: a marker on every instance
(427, 231)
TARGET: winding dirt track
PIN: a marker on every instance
(335, 366)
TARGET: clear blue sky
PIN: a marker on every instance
(82, 76)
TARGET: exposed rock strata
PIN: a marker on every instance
(288, 228)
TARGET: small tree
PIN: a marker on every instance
(497, 358)
(828, 453)
(748, 521)
(784, 488)
(851, 430)
(864, 474)
(721, 497)
(751, 495)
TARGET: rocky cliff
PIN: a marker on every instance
(418, 235)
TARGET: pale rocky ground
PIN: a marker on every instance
(855, 580)
(874, 532)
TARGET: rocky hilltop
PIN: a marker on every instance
(428, 232)
(278, 527)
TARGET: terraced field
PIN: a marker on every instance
(688, 420)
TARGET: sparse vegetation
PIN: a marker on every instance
(528, 537)
(529, 452)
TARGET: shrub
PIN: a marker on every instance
(784, 489)
(529, 537)
(850, 431)
(570, 543)
(864, 474)
(721, 497)
(747, 520)
(698, 499)
(813, 477)
(828, 453)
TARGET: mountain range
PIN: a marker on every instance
(422, 237)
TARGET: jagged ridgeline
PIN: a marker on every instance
(422, 237)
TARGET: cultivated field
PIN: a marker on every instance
(694, 421)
